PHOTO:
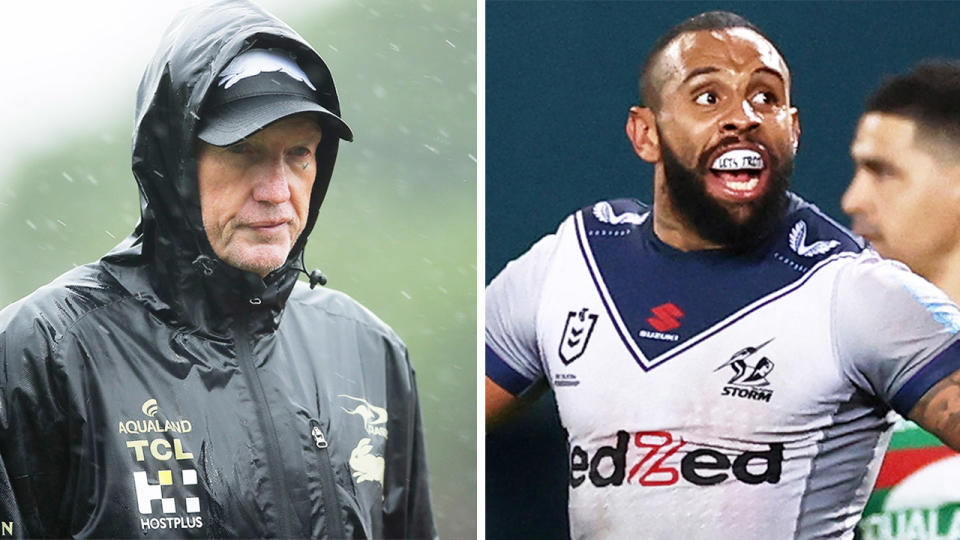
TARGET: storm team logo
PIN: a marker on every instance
(750, 372)
(576, 334)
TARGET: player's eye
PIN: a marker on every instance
(764, 98)
(706, 98)
(300, 151)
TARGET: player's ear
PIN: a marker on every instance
(642, 132)
(795, 129)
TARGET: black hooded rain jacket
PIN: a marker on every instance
(160, 392)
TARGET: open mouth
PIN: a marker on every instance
(738, 175)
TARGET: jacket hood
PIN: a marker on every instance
(170, 239)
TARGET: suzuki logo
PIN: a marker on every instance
(665, 317)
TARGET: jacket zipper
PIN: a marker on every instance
(328, 486)
(334, 521)
(269, 432)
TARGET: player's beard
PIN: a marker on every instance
(709, 218)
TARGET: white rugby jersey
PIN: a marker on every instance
(711, 395)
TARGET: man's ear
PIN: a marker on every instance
(642, 132)
(795, 129)
(951, 176)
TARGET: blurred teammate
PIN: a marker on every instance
(725, 363)
(905, 199)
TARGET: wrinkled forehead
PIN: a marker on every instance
(736, 50)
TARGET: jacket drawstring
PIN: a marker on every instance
(315, 275)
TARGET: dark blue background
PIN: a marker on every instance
(560, 77)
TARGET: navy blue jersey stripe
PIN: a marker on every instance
(596, 283)
(946, 362)
(504, 375)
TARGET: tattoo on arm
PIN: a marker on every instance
(938, 411)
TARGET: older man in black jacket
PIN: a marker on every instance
(187, 384)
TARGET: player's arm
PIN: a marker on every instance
(938, 411)
(499, 402)
(513, 362)
(898, 338)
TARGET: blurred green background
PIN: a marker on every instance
(397, 230)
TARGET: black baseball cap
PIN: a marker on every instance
(257, 88)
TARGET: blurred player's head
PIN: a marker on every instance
(905, 193)
(718, 126)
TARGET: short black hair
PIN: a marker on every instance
(929, 95)
(710, 20)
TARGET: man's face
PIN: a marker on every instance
(728, 133)
(255, 194)
(902, 198)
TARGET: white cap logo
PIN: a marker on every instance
(257, 61)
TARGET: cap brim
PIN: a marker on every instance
(232, 122)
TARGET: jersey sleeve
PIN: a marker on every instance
(895, 333)
(513, 357)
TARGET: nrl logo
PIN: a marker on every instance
(576, 334)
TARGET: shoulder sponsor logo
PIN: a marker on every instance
(374, 417)
(749, 380)
(175, 485)
(798, 239)
(605, 213)
(576, 334)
